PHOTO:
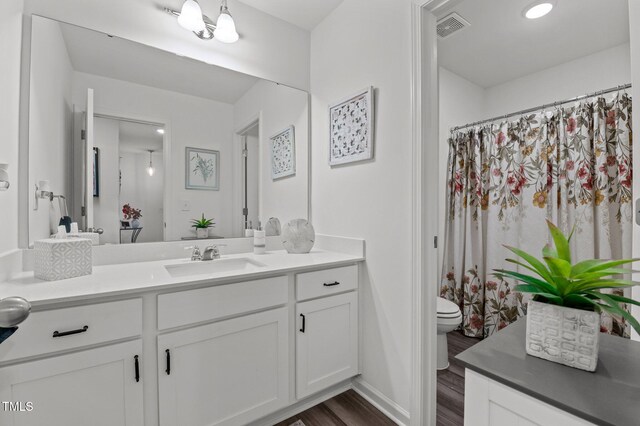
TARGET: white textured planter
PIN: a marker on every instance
(564, 335)
(202, 232)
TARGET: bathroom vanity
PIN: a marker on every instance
(505, 386)
(245, 339)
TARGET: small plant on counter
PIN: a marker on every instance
(202, 226)
(567, 298)
(202, 223)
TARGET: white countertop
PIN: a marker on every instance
(140, 277)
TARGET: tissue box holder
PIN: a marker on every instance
(58, 259)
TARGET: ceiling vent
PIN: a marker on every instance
(450, 24)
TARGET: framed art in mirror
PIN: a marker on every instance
(283, 153)
(202, 169)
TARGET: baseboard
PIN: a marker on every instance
(390, 409)
(303, 405)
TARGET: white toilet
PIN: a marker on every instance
(449, 318)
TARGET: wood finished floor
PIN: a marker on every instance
(451, 383)
(346, 409)
(350, 409)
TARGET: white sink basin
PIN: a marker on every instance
(213, 267)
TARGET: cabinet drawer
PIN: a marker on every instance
(68, 328)
(206, 304)
(326, 282)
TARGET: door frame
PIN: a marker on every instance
(634, 40)
(106, 113)
(238, 179)
(425, 184)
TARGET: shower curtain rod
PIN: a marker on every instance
(552, 104)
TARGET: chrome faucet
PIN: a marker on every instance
(195, 254)
(211, 253)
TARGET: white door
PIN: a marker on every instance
(326, 342)
(96, 387)
(88, 161)
(227, 373)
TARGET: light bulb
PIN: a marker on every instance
(150, 171)
(538, 10)
(191, 16)
(225, 28)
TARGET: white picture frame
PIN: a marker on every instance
(282, 146)
(351, 128)
(202, 169)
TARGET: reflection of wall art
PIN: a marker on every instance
(283, 153)
(351, 123)
(96, 172)
(202, 169)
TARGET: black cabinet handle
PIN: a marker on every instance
(331, 284)
(137, 364)
(69, 333)
(303, 322)
(168, 370)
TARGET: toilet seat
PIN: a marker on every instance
(447, 309)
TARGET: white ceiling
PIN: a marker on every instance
(97, 53)
(136, 137)
(502, 45)
(305, 14)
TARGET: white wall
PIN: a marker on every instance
(10, 40)
(50, 123)
(106, 207)
(601, 70)
(351, 50)
(268, 47)
(461, 101)
(143, 192)
(278, 107)
(190, 121)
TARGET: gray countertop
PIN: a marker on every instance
(608, 396)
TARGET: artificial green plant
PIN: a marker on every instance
(202, 222)
(558, 281)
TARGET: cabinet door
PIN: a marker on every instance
(95, 387)
(226, 373)
(326, 342)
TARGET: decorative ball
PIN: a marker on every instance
(298, 236)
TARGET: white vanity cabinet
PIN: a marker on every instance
(327, 331)
(68, 384)
(226, 373)
(95, 387)
(245, 350)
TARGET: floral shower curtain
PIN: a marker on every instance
(570, 165)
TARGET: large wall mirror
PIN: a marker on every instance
(119, 129)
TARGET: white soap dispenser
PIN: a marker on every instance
(259, 240)
(249, 231)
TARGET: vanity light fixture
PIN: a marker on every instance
(192, 19)
(225, 27)
(160, 131)
(538, 9)
(191, 16)
(150, 169)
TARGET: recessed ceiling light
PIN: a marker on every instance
(538, 10)
(161, 131)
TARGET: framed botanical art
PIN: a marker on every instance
(351, 124)
(283, 153)
(202, 169)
